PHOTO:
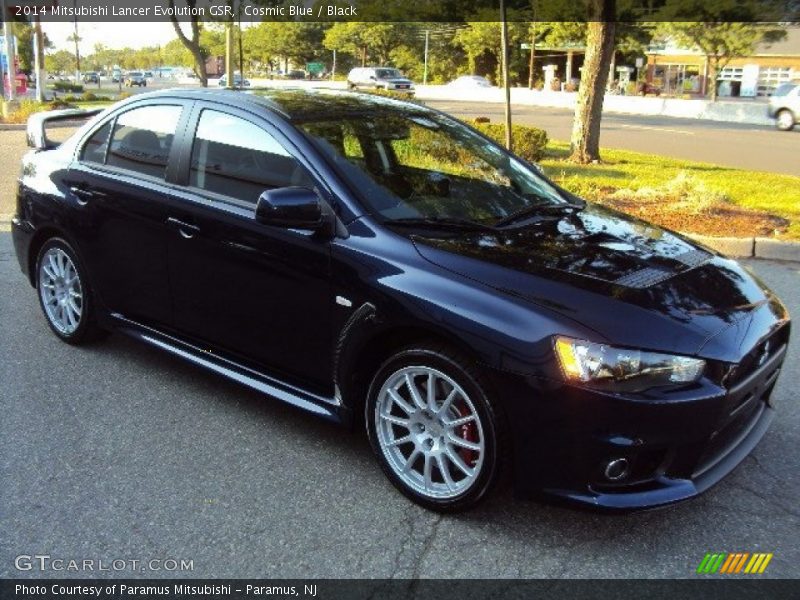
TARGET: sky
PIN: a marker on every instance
(112, 35)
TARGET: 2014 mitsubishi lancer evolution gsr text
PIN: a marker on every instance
(377, 262)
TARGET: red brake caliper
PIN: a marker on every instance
(469, 433)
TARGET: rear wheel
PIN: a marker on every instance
(434, 429)
(784, 120)
(64, 293)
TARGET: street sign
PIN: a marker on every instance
(639, 62)
(315, 68)
(525, 46)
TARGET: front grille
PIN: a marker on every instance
(745, 402)
(756, 358)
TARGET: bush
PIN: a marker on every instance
(392, 94)
(66, 86)
(529, 142)
(479, 120)
(27, 107)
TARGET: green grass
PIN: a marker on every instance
(767, 192)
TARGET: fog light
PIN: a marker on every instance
(616, 469)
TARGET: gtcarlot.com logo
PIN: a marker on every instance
(45, 562)
(734, 563)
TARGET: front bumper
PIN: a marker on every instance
(676, 446)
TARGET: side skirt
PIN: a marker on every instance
(329, 408)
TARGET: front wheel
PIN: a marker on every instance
(434, 428)
(784, 120)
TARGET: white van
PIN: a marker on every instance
(380, 78)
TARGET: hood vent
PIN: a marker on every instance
(649, 276)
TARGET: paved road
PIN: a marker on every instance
(745, 146)
(117, 451)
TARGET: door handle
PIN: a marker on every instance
(187, 230)
(83, 195)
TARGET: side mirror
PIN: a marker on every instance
(292, 208)
(372, 77)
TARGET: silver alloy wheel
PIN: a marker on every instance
(429, 432)
(785, 119)
(61, 291)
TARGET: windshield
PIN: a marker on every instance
(429, 166)
(384, 73)
(783, 89)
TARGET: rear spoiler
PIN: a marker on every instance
(37, 136)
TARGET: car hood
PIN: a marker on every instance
(609, 271)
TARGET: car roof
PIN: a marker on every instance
(296, 104)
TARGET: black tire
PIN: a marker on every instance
(87, 328)
(788, 125)
(488, 419)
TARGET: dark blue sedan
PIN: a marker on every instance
(383, 265)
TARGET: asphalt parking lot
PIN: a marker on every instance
(115, 451)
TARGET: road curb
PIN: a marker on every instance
(750, 247)
(777, 249)
(12, 126)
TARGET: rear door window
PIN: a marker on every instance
(142, 139)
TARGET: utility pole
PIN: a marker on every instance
(425, 70)
(229, 55)
(504, 45)
(9, 52)
(76, 39)
(38, 58)
(333, 66)
(532, 59)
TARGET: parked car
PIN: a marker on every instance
(468, 312)
(148, 75)
(136, 78)
(380, 78)
(116, 76)
(91, 77)
(470, 81)
(296, 74)
(784, 106)
(237, 81)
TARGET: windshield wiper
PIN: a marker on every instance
(442, 223)
(532, 211)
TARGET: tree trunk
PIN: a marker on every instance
(532, 58)
(714, 75)
(191, 44)
(585, 141)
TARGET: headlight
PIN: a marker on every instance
(623, 370)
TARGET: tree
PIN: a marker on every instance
(61, 61)
(720, 41)
(585, 141)
(176, 54)
(362, 39)
(192, 41)
(24, 33)
(481, 39)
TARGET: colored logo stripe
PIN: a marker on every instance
(734, 562)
